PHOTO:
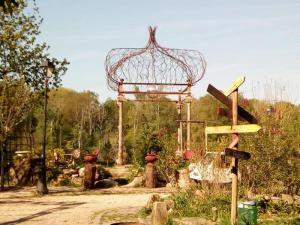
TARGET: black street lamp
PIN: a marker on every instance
(48, 67)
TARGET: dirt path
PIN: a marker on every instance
(73, 206)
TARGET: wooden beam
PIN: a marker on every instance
(235, 85)
(226, 101)
(237, 154)
(248, 128)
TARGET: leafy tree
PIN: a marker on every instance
(15, 105)
(20, 55)
(8, 5)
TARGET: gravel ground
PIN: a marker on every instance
(65, 205)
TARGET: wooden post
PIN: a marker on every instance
(188, 117)
(120, 160)
(234, 164)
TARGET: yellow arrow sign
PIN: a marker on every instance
(235, 85)
(248, 128)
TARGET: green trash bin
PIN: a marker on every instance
(247, 213)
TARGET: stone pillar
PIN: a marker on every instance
(150, 175)
(120, 100)
(179, 129)
(89, 175)
(188, 117)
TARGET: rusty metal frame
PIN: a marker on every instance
(163, 69)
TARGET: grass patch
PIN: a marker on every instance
(188, 205)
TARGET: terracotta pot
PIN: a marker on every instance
(150, 157)
(188, 154)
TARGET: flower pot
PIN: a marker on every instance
(150, 157)
(188, 154)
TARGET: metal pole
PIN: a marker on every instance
(42, 183)
(234, 170)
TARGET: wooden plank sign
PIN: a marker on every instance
(227, 101)
(237, 154)
(248, 128)
(235, 86)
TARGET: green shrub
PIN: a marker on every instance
(187, 205)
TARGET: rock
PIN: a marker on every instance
(81, 172)
(105, 183)
(170, 211)
(121, 181)
(159, 214)
(136, 182)
(200, 194)
(153, 198)
(214, 212)
(170, 204)
(12, 175)
(169, 185)
(275, 199)
(69, 171)
(287, 198)
(76, 180)
(296, 199)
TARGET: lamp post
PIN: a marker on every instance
(48, 67)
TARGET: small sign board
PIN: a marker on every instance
(247, 128)
(237, 154)
(235, 86)
(227, 101)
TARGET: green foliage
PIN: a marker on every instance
(16, 104)
(106, 152)
(144, 212)
(20, 55)
(274, 166)
(187, 205)
(52, 173)
(171, 221)
(281, 221)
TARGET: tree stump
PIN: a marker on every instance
(151, 179)
(89, 175)
(159, 214)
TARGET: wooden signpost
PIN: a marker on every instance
(232, 151)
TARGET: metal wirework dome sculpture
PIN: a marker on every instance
(154, 64)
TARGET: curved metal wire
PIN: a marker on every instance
(154, 65)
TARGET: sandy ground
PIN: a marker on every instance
(72, 206)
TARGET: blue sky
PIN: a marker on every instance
(258, 39)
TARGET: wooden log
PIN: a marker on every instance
(159, 214)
